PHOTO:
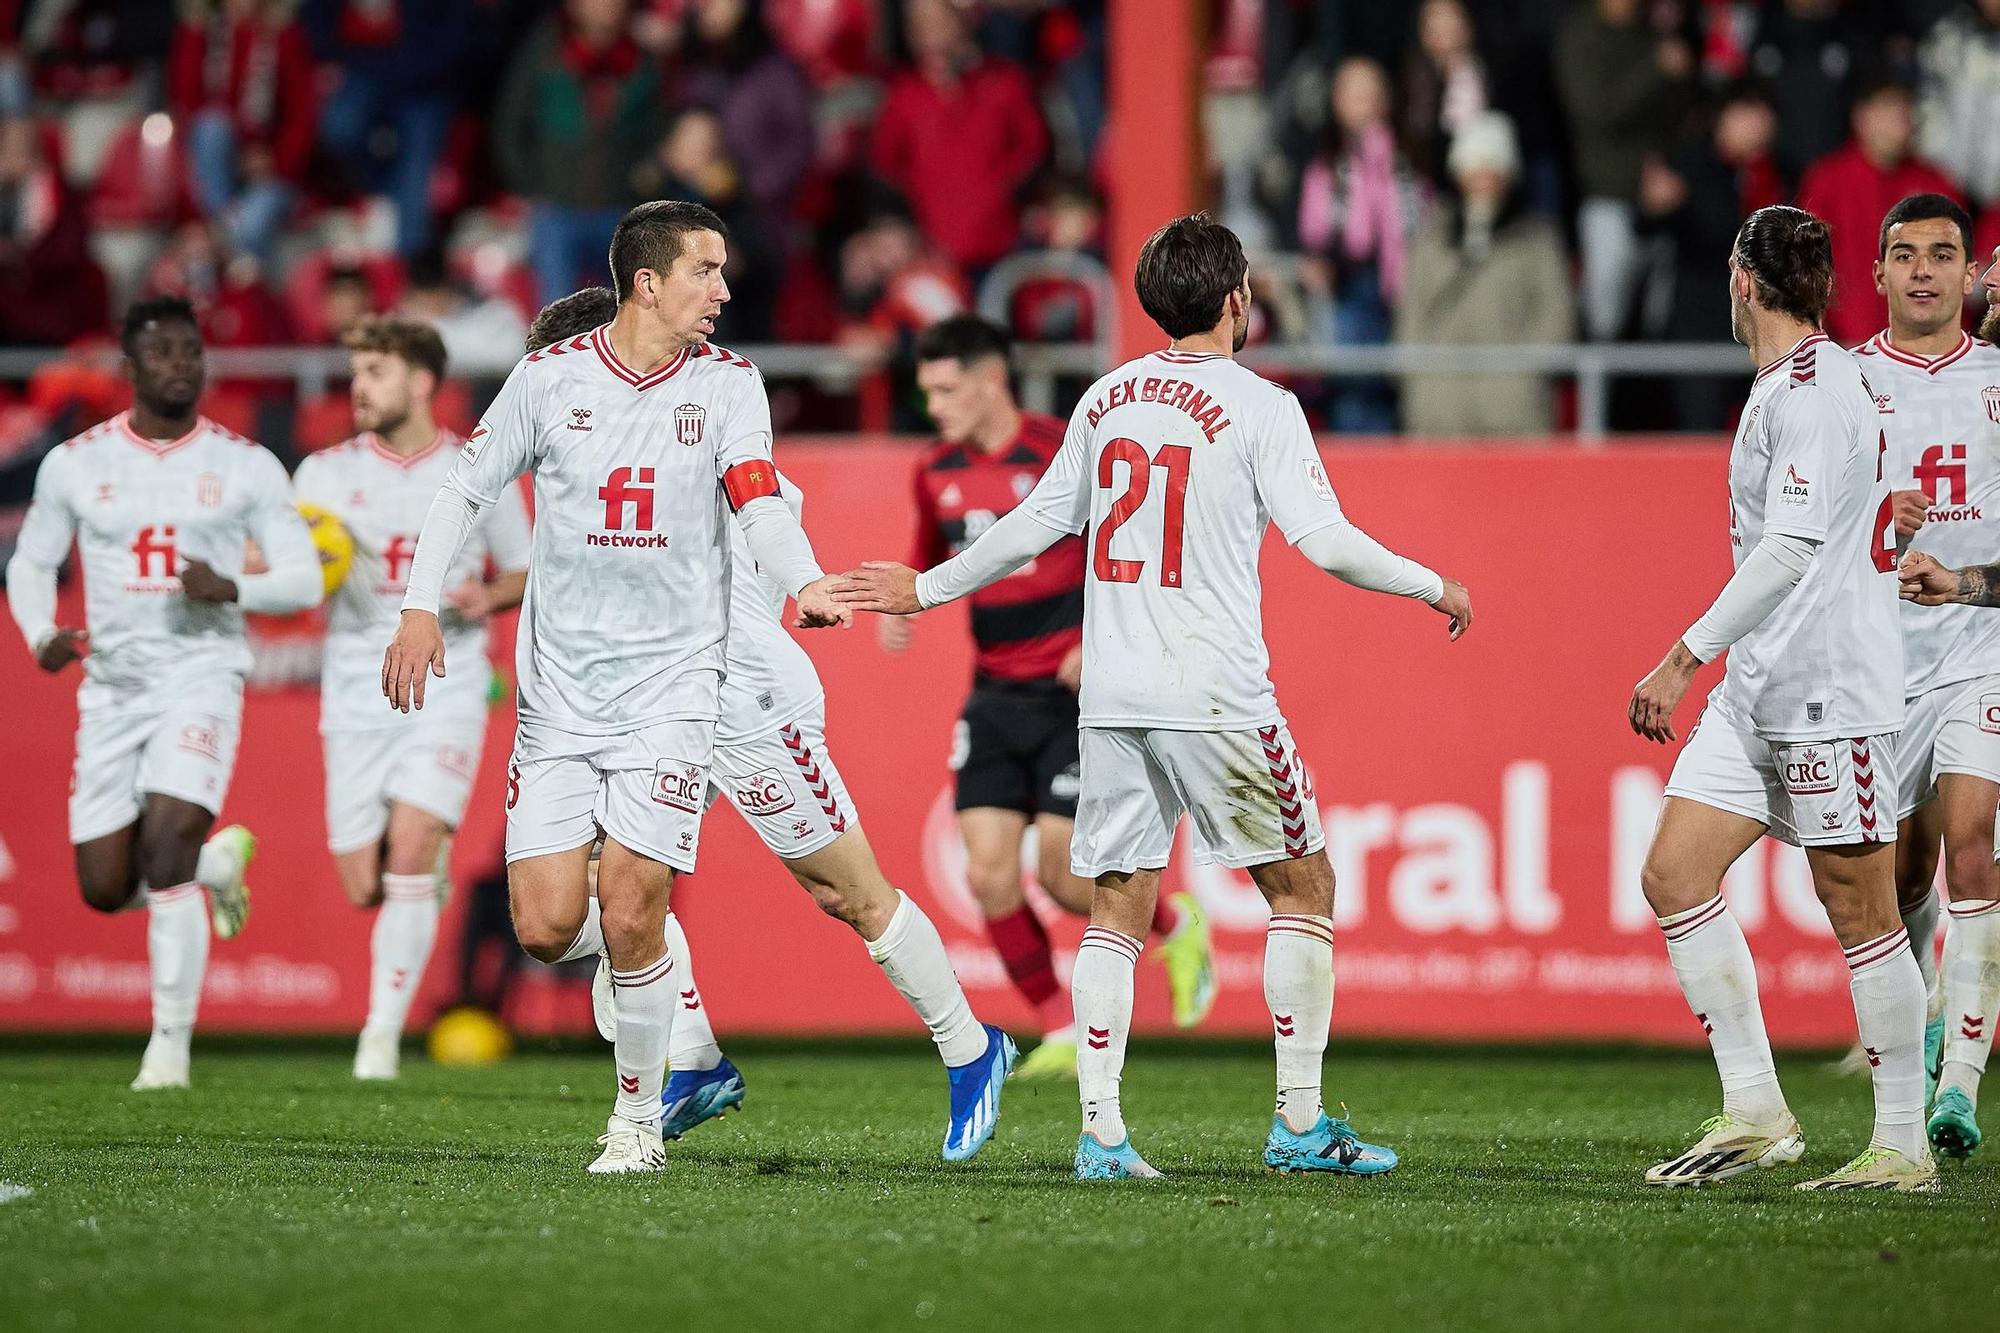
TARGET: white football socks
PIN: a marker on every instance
(1921, 921)
(590, 937)
(911, 954)
(1971, 993)
(1298, 987)
(1712, 962)
(1888, 991)
(693, 1046)
(1100, 987)
(643, 1000)
(400, 947)
(177, 950)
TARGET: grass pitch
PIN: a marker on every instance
(279, 1193)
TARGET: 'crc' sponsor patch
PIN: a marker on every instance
(1808, 770)
(1989, 713)
(679, 784)
(762, 793)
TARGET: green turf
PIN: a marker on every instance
(280, 1194)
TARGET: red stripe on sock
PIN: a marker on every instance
(1875, 950)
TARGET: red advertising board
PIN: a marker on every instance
(1486, 804)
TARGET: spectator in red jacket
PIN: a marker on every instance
(240, 79)
(958, 134)
(51, 291)
(1852, 187)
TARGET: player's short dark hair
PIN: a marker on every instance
(1187, 269)
(1881, 85)
(964, 339)
(653, 236)
(572, 316)
(1788, 253)
(154, 310)
(1922, 208)
(416, 342)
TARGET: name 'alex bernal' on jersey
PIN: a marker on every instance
(623, 621)
(138, 508)
(1941, 417)
(1176, 463)
(1024, 625)
(381, 498)
(1809, 462)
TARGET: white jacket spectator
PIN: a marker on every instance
(1958, 107)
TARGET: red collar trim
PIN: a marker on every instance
(437, 443)
(600, 338)
(1186, 358)
(1931, 364)
(1809, 341)
(160, 448)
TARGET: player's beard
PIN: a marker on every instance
(1737, 320)
(1989, 323)
(1240, 335)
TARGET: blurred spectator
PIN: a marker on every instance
(957, 135)
(833, 39)
(1359, 205)
(1804, 51)
(478, 332)
(730, 66)
(51, 291)
(95, 48)
(1622, 84)
(1066, 219)
(578, 110)
(388, 116)
(1444, 85)
(1959, 114)
(1852, 188)
(237, 307)
(240, 79)
(892, 288)
(1485, 271)
(693, 163)
(347, 298)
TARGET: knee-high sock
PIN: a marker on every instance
(1921, 921)
(1888, 994)
(400, 947)
(693, 1044)
(1712, 961)
(911, 954)
(1298, 987)
(177, 949)
(1971, 993)
(1023, 945)
(589, 938)
(643, 999)
(1101, 989)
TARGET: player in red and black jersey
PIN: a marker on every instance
(1015, 751)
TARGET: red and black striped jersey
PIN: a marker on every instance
(1025, 624)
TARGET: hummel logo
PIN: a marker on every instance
(1874, 1057)
(1972, 1027)
(579, 418)
(1284, 1022)
(1100, 1038)
(628, 1083)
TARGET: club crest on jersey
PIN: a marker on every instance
(1991, 393)
(208, 490)
(579, 418)
(688, 421)
(679, 784)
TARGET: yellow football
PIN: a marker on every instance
(334, 543)
(469, 1036)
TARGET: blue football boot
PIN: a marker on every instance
(1094, 1161)
(694, 1095)
(975, 1096)
(1330, 1145)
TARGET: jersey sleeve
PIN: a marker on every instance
(1291, 479)
(308, 479)
(1806, 432)
(502, 446)
(743, 446)
(293, 582)
(506, 533)
(1061, 499)
(50, 525)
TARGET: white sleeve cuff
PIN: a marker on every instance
(446, 528)
(1352, 556)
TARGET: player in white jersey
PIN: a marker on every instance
(1175, 465)
(1799, 739)
(397, 784)
(160, 502)
(771, 763)
(1971, 973)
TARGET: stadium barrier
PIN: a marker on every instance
(1487, 805)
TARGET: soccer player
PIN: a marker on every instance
(1971, 980)
(1174, 465)
(160, 501)
(771, 762)
(1799, 739)
(1015, 750)
(396, 784)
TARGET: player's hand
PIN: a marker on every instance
(1926, 582)
(894, 633)
(819, 609)
(417, 648)
(62, 648)
(471, 600)
(882, 586)
(1911, 508)
(1069, 671)
(1457, 604)
(200, 583)
(1655, 698)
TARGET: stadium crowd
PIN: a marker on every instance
(1449, 171)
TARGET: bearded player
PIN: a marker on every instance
(1174, 465)
(397, 784)
(159, 501)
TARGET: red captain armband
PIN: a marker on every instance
(749, 481)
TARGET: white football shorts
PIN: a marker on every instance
(132, 743)
(1955, 729)
(1246, 791)
(786, 787)
(646, 788)
(430, 763)
(1831, 793)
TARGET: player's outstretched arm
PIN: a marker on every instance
(778, 542)
(1355, 558)
(888, 588)
(1928, 583)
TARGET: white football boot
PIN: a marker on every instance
(164, 1065)
(378, 1056)
(1881, 1169)
(1729, 1146)
(629, 1147)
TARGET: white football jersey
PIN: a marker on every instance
(1809, 462)
(768, 680)
(1176, 463)
(137, 508)
(381, 498)
(628, 576)
(1941, 416)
